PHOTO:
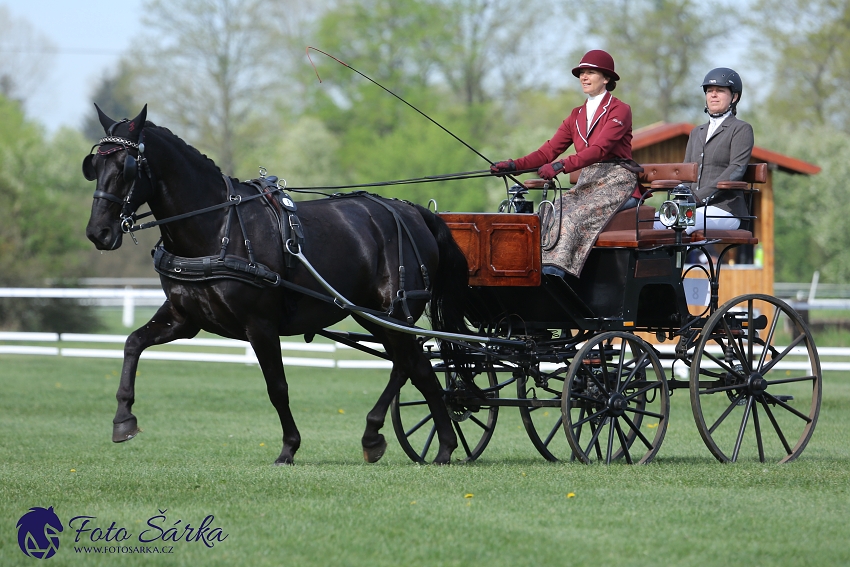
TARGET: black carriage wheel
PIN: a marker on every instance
(748, 395)
(545, 425)
(414, 425)
(616, 402)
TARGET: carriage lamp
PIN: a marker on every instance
(679, 211)
(518, 201)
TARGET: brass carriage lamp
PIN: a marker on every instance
(679, 210)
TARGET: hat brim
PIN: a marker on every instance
(577, 71)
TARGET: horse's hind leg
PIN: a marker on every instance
(167, 325)
(408, 361)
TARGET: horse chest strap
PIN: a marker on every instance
(213, 268)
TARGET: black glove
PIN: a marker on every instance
(502, 167)
(550, 170)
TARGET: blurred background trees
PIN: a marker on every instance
(232, 78)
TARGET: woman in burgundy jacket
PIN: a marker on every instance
(601, 131)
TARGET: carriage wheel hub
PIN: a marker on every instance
(757, 384)
(617, 404)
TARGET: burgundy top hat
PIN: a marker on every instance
(599, 60)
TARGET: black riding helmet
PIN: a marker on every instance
(725, 77)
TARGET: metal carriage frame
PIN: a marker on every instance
(582, 354)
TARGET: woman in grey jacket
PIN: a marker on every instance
(722, 148)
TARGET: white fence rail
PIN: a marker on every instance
(832, 358)
(128, 297)
(242, 352)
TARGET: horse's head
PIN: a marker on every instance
(123, 179)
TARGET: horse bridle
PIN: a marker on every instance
(135, 169)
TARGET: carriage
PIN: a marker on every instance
(590, 362)
(589, 370)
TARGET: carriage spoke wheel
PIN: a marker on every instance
(748, 395)
(616, 402)
(473, 423)
(545, 425)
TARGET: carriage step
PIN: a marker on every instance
(784, 398)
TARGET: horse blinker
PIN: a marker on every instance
(88, 168)
(130, 168)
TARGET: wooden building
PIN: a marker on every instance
(666, 142)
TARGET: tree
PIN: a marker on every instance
(455, 60)
(806, 45)
(25, 56)
(662, 50)
(114, 95)
(811, 211)
(44, 197)
(214, 70)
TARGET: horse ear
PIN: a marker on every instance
(105, 121)
(138, 122)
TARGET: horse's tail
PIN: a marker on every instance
(449, 285)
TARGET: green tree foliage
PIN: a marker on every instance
(811, 211)
(662, 48)
(805, 50)
(212, 70)
(44, 197)
(449, 59)
(806, 45)
(42, 227)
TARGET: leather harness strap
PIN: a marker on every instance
(402, 295)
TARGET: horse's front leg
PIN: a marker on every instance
(266, 346)
(167, 325)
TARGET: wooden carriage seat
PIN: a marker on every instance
(633, 228)
(755, 173)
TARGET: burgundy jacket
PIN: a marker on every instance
(609, 138)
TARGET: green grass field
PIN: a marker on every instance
(210, 437)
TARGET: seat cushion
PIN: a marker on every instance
(628, 219)
(636, 239)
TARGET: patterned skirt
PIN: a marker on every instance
(571, 226)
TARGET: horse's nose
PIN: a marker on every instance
(103, 237)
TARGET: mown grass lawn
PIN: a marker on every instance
(210, 437)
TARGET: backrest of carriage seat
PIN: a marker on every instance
(756, 173)
(681, 172)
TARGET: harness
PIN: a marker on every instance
(402, 295)
(225, 266)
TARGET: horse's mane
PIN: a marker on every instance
(182, 143)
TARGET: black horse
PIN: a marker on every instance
(353, 242)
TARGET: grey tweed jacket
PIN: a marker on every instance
(723, 158)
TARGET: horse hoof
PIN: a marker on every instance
(125, 430)
(374, 454)
(284, 462)
(443, 458)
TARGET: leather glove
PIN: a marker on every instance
(502, 167)
(550, 170)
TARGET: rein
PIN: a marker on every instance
(130, 228)
(233, 202)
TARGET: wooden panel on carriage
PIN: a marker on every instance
(502, 249)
